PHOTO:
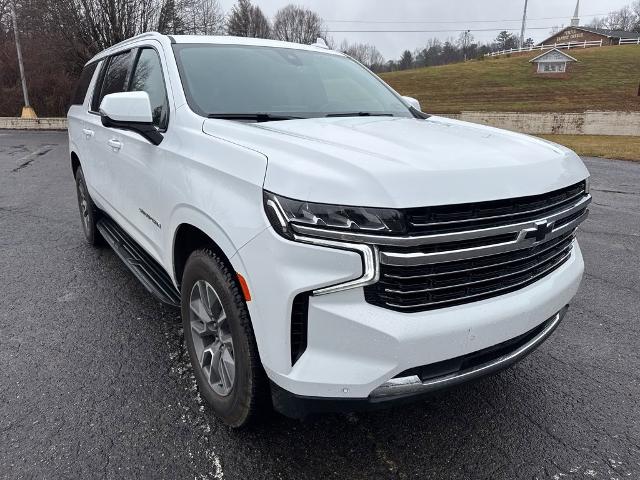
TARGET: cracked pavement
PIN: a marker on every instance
(95, 380)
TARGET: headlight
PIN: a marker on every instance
(284, 212)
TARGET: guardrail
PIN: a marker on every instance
(560, 46)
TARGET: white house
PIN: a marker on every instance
(552, 61)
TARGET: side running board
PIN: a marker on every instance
(141, 264)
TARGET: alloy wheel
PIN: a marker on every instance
(211, 335)
(83, 203)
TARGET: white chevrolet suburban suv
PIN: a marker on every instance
(330, 246)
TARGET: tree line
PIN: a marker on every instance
(626, 19)
(59, 36)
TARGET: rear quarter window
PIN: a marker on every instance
(82, 86)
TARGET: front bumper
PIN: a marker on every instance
(355, 348)
(417, 383)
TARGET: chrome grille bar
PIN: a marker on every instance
(522, 241)
(497, 263)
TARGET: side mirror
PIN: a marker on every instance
(411, 101)
(130, 111)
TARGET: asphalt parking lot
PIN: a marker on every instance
(95, 381)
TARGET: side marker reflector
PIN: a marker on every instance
(244, 287)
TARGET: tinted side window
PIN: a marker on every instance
(116, 75)
(83, 84)
(147, 77)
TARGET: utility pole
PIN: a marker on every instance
(27, 110)
(524, 23)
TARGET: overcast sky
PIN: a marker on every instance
(442, 15)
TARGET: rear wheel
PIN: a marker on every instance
(88, 210)
(220, 340)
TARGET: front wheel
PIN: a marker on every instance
(220, 340)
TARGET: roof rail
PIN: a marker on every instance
(137, 37)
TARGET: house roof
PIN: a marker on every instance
(610, 33)
(598, 31)
(540, 57)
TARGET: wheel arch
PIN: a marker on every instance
(75, 162)
(188, 238)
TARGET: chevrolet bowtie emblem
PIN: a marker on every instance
(543, 228)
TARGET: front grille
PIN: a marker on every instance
(467, 216)
(479, 251)
(420, 288)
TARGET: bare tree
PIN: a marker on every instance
(623, 19)
(297, 24)
(170, 21)
(365, 53)
(464, 42)
(204, 17)
(4, 9)
(92, 25)
(247, 20)
(597, 22)
(61, 35)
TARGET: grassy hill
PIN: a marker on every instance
(605, 78)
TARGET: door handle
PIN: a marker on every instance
(115, 144)
(87, 133)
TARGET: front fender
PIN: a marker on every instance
(187, 214)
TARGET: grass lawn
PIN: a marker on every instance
(605, 78)
(619, 147)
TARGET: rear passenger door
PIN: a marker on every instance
(113, 78)
(77, 121)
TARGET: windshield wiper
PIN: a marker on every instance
(258, 117)
(418, 114)
(359, 114)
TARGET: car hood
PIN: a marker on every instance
(402, 162)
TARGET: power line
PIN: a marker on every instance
(457, 21)
(434, 31)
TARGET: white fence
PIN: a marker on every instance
(563, 46)
(560, 46)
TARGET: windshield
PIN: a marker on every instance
(280, 82)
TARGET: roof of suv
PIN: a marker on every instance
(212, 39)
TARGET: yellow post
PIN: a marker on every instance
(28, 112)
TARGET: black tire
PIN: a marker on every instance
(249, 393)
(89, 213)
